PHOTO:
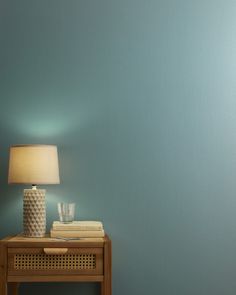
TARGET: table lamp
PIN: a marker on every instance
(33, 164)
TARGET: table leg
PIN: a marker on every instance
(13, 288)
(3, 287)
(3, 269)
(106, 285)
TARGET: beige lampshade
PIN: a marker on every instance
(33, 164)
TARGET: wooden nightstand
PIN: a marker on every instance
(53, 260)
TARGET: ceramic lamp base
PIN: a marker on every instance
(34, 213)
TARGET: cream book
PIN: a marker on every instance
(78, 225)
(77, 233)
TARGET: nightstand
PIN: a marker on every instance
(53, 260)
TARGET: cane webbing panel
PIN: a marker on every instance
(54, 262)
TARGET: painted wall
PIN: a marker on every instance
(140, 97)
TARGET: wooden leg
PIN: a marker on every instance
(106, 285)
(3, 287)
(102, 288)
(3, 269)
(13, 288)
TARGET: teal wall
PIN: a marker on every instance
(140, 97)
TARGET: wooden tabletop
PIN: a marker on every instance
(21, 241)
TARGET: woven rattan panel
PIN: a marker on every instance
(54, 262)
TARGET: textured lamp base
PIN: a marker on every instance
(34, 213)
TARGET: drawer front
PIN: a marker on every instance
(53, 261)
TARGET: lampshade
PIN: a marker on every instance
(33, 164)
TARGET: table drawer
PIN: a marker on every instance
(53, 261)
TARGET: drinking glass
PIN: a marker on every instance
(66, 212)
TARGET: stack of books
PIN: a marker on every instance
(77, 229)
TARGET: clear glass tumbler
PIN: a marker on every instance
(66, 212)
